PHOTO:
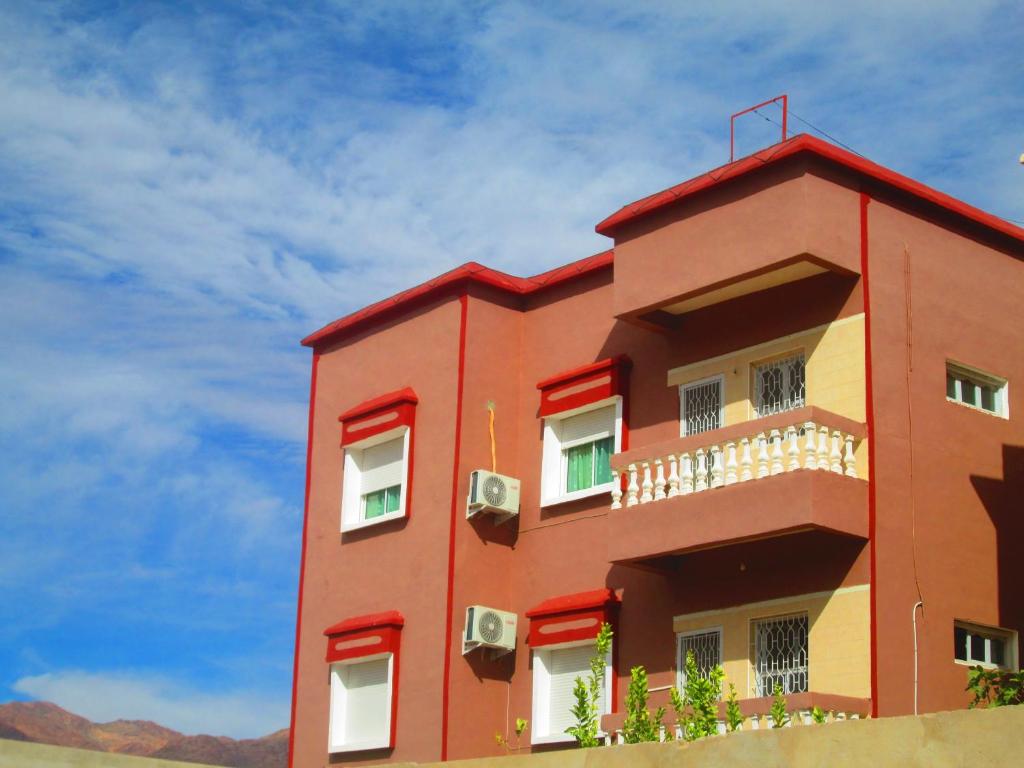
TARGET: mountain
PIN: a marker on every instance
(46, 723)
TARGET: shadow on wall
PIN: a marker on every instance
(1004, 501)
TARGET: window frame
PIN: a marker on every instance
(681, 662)
(353, 500)
(541, 695)
(1008, 636)
(960, 372)
(336, 709)
(755, 394)
(554, 461)
(755, 687)
(718, 378)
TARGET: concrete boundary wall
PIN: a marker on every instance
(26, 754)
(946, 739)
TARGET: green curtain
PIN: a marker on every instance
(581, 467)
(382, 502)
(603, 450)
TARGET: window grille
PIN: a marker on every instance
(779, 385)
(707, 652)
(701, 406)
(780, 654)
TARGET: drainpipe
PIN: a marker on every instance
(913, 618)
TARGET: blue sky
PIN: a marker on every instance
(188, 189)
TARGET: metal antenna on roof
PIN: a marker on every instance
(784, 98)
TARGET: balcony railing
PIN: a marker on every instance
(756, 715)
(804, 438)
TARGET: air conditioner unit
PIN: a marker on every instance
(489, 628)
(489, 492)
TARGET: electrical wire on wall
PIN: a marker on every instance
(490, 429)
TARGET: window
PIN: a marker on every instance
(577, 452)
(779, 385)
(361, 704)
(555, 669)
(780, 654)
(700, 406)
(989, 647)
(968, 386)
(706, 645)
(363, 652)
(375, 479)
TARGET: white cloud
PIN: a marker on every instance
(107, 696)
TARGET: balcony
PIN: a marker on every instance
(782, 474)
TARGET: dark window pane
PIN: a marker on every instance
(988, 399)
(950, 385)
(970, 392)
(960, 643)
(977, 648)
(997, 651)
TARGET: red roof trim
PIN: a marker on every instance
(356, 623)
(470, 272)
(576, 373)
(803, 143)
(379, 403)
(580, 601)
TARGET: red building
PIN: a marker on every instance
(777, 424)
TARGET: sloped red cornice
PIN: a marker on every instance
(389, 400)
(788, 148)
(370, 620)
(580, 601)
(470, 272)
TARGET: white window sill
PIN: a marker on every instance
(982, 664)
(586, 493)
(561, 738)
(355, 526)
(979, 409)
(360, 746)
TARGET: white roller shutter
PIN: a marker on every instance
(587, 426)
(366, 701)
(381, 465)
(565, 665)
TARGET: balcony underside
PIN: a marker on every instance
(781, 505)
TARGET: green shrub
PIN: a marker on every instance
(995, 687)
(778, 711)
(639, 724)
(697, 707)
(733, 717)
(588, 695)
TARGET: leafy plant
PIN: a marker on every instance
(697, 707)
(521, 725)
(818, 714)
(778, 711)
(639, 724)
(588, 695)
(733, 717)
(995, 687)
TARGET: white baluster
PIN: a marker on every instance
(616, 490)
(810, 460)
(659, 480)
(673, 476)
(823, 448)
(717, 470)
(632, 489)
(777, 455)
(836, 455)
(687, 476)
(746, 473)
(701, 481)
(849, 458)
(762, 455)
(647, 485)
(730, 464)
(793, 449)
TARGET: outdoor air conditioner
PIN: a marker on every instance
(489, 628)
(497, 494)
